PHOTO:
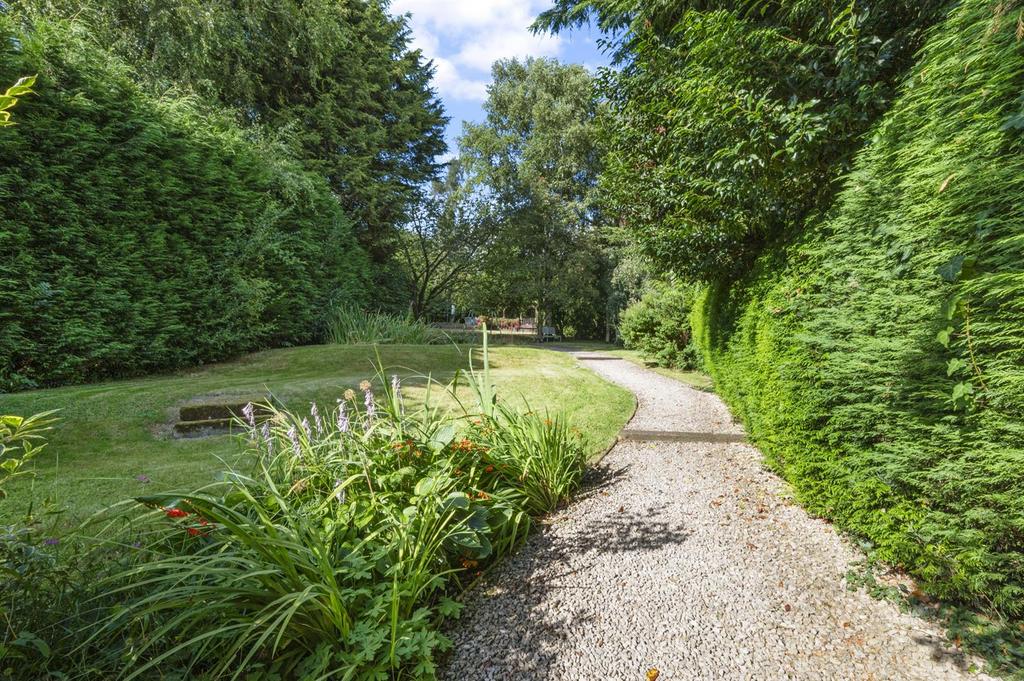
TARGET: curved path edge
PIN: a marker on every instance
(689, 558)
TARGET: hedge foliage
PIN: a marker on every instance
(878, 359)
(139, 235)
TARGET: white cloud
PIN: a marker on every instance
(464, 37)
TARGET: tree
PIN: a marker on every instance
(335, 81)
(731, 120)
(537, 158)
(441, 246)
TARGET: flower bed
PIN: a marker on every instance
(340, 545)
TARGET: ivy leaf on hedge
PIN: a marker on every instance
(961, 391)
(944, 336)
(951, 270)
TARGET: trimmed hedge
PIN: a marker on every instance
(878, 359)
(139, 235)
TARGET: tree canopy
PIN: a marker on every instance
(730, 120)
(537, 158)
(335, 83)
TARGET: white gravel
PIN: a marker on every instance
(689, 559)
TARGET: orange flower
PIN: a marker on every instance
(489, 469)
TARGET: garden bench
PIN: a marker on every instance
(549, 333)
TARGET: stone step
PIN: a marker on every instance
(204, 428)
(207, 412)
(678, 436)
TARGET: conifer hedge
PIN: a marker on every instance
(139, 235)
(878, 358)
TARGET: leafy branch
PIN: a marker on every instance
(9, 98)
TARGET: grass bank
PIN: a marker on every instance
(113, 441)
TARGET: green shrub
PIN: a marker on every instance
(879, 358)
(142, 236)
(658, 325)
(349, 325)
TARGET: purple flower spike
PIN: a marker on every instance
(51, 541)
(396, 386)
(343, 424)
(317, 421)
(305, 427)
(293, 435)
(371, 406)
(144, 479)
(249, 412)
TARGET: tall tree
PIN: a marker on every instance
(537, 158)
(731, 120)
(442, 246)
(335, 80)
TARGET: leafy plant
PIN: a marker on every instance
(21, 440)
(9, 98)
(729, 121)
(348, 325)
(224, 245)
(879, 358)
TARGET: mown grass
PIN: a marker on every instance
(112, 433)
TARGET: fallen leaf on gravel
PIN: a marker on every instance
(787, 607)
(622, 509)
(653, 674)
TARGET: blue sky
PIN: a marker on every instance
(464, 37)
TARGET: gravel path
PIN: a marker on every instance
(690, 559)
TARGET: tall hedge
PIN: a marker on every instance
(139, 235)
(878, 359)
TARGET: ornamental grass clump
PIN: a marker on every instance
(347, 325)
(336, 550)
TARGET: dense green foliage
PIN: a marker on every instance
(334, 82)
(658, 325)
(729, 120)
(140, 235)
(878, 359)
(536, 158)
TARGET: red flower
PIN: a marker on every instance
(175, 513)
(193, 531)
(489, 469)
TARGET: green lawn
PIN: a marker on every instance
(111, 433)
